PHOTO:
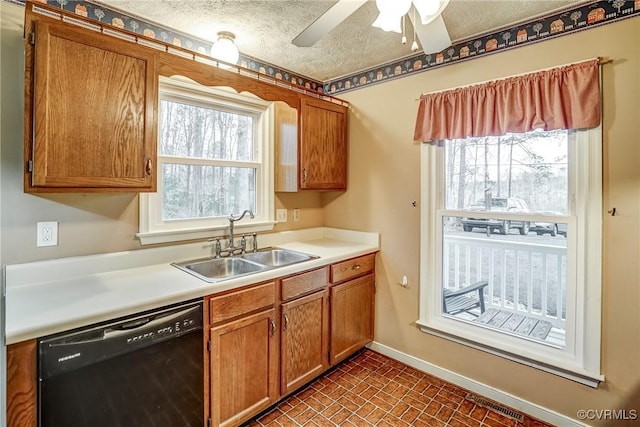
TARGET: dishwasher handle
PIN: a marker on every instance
(136, 327)
(134, 324)
(130, 327)
(91, 345)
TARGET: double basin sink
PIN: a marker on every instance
(214, 270)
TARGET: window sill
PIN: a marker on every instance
(168, 236)
(573, 373)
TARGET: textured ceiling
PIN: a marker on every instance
(264, 29)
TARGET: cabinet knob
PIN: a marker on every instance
(355, 267)
(304, 175)
(148, 168)
(286, 322)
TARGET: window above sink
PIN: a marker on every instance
(214, 159)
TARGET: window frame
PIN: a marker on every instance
(579, 360)
(152, 228)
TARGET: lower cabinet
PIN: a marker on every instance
(243, 353)
(244, 368)
(303, 340)
(22, 386)
(351, 317)
(270, 339)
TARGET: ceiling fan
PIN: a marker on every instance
(424, 14)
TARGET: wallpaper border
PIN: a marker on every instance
(586, 16)
(98, 12)
(583, 17)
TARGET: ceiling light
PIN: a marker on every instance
(225, 49)
(427, 8)
(388, 23)
(391, 13)
(430, 9)
(393, 7)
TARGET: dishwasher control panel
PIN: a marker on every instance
(176, 328)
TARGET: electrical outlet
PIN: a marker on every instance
(281, 215)
(296, 214)
(47, 234)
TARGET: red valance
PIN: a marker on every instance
(566, 97)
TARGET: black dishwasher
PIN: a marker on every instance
(145, 370)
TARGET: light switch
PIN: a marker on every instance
(281, 215)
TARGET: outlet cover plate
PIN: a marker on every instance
(47, 234)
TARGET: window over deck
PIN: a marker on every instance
(516, 221)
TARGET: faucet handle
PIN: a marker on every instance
(216, 248)
(243, 243)
(254, 237)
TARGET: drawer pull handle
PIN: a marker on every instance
(272, 332)
(355, 267)
(286, 322)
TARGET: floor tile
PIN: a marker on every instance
(370, 389)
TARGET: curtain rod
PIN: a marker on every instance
(601, 61)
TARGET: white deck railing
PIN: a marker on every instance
(527, 278)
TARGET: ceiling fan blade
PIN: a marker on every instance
(327, 22)
(433, 36)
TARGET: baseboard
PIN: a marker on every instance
(531, 409)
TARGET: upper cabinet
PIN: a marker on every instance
(323, 145)
(90, 115)
(91, 112)
(286, 147)
(311, 146)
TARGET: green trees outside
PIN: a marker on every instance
(208, 161)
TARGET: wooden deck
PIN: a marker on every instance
(556, 336)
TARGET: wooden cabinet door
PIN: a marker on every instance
(305, 331)
(244, 368)
(22, 386)
(323, 145)
(94, 113)
(351, 316)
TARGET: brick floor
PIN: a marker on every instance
(370, 389)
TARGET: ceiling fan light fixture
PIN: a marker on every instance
(391, 13)
(388, 22)
(429, 9)
(393, 7)
(225, 49)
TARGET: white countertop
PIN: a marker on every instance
(52, 296)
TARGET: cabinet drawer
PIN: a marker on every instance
(352, 268)
(304, 283)
(241, 302)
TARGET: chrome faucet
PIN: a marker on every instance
(233, 219)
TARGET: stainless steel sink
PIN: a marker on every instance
(275, 257)
(217, 269)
